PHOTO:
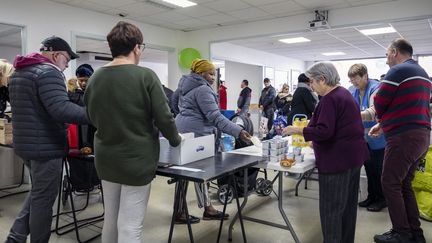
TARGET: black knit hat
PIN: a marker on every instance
(302, 78)
(55, 43)
(84, 70)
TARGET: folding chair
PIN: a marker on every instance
(80, 177)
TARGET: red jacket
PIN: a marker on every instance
(222, 97)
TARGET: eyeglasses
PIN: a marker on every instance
(389, 51)
(142, 46)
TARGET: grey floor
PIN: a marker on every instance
(302, 211)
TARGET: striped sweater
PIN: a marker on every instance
(402, 102)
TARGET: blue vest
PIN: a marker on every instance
(374, 143)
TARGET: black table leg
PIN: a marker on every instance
(223, 212)
(239, 208)
(180, 194)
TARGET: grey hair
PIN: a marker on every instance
(326, 70)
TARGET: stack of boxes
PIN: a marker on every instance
(275, 149)
(5, 132)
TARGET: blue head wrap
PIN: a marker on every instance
(84, 70)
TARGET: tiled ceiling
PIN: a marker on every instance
(347, 40)
(210, 13)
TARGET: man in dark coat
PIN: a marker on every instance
(243, 101)
(41, 110)
(268, 94)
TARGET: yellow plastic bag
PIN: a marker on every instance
(422, 186)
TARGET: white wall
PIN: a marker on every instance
(230, 52)
(161, 70)
(9, 53)
(234, 74)
(43, 18)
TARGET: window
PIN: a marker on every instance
(281, 77)
(294, 79)
(426, 63)
(376, 67)
(269, 73)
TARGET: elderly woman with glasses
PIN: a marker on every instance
(336, 131)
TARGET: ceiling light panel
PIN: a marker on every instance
(294, 40)
(181, 3)
(378, 31)
(336, 53)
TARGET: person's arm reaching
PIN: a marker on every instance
(208, 106)
(54, 97)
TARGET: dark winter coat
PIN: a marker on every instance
(41, 109)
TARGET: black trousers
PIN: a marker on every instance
(269, 113)
(338, 195)
(373, 167)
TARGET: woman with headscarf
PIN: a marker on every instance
(6, 70)
(200, 114)
(304, 100)
(336, 131)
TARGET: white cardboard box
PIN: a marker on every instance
(191, 149)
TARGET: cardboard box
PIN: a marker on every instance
(191, 149)
(5, 132)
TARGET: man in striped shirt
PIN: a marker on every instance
(402, 109)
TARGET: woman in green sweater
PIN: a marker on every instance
(127, 105)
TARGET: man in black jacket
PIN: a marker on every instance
(244, 98)
(304, 100)
(266, 102)
(41, 110)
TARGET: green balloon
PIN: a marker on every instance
(187, 56)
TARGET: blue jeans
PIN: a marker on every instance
(36, 214)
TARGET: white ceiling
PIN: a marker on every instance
(348, 40)
(210, 13)
(213, 13)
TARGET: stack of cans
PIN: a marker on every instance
(298, 156)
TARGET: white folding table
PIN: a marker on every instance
(301, 168)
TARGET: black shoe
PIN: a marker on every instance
(218, 215)
(377, 206)
(181, 219)
(418, 237)
(366, 203)
(394, 237)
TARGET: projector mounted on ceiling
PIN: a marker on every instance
(320, 22)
